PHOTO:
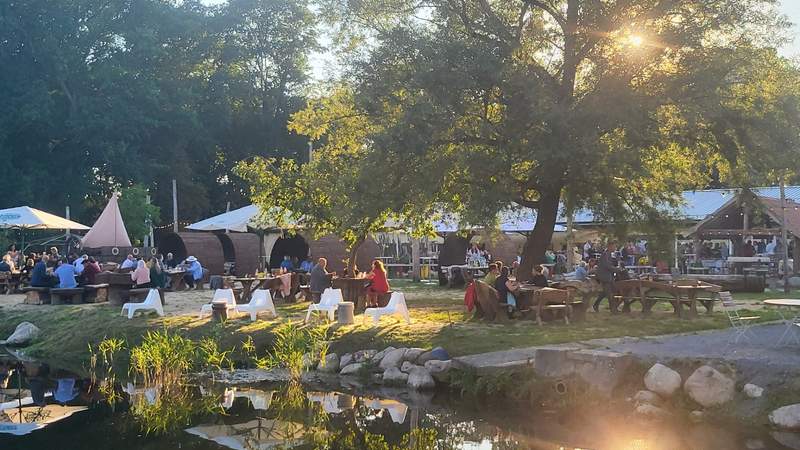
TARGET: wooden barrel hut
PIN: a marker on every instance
(206, 247)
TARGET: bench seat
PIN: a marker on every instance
(36, 295)
(66, 295)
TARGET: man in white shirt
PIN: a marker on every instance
(129, 263)
(771, 248)
(78, 263)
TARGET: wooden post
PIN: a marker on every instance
(174, 205)
(66, 232)
(784, 239)
(415, 266)
(152, 242)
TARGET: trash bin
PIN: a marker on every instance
(219, 311)
(346, 313)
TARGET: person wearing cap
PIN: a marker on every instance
(194, 272)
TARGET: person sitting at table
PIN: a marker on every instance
(379, 284)
(53, 257)
(78, 263)
(129, 263)
(170, 261)
(307, 265)
(194, 272)
(90, 271)
(538, 278)
(141, 275)
(320, 279)
(39, 275)
(27, 269)
(157, 275)
(579, 274)
(503, 286)
(491, 276)
(7, 264)
(66, 274)
(287, 264)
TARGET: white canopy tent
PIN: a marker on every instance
(27, 218)
(240, 220)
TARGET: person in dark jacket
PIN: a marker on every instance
(606, 269)
(39, 275)
(320, 279)
(538, 277)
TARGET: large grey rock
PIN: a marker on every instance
(379, 356)
(22, 335)
(662, 380)
(351, 369)
(752, 390)
(330, 364)
(554, 362)
(786, 417)
(709, 387)
(394, 377)
(652, 412)
(413, 354)
(393, 359)
(787, 439)
(407, 366)
(346, 360)
(364, 355)
(647, 398)
(602, 370)
(420, 379)
(439, 370)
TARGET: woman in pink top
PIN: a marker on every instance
(141, 276)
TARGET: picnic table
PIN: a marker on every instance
(176, 279)
(353, 290)
(641, 290)
(793, 323)
(251, 284)
(542, 299)
(118, 285)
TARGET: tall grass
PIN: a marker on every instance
(162, 358)
(296, 347)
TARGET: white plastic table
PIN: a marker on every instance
(793, 324)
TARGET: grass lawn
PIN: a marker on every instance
(438, 318)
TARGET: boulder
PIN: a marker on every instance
(787, 439)
(379, 356)
(696, 416)
(754, 444)
(752, 390)
(394, 377)
(647, 398)
(413, 354)
(439, 370)
(393, 359)
(420, 379)
(786, 417)
(407, 366)
(351, 369)
(346, 359)
(22, 335)
(437, 353)
(652, 412)
(330, 364)
(709, 387)
(662, 380)
(364, 355)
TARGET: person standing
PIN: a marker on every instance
(606, 269)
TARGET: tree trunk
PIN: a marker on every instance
(415, 263)
(351, 261)
(539, 240)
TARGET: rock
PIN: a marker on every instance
(696, 416)
(602, 370)
(413, 354)
(786, 439)
(754, 444)
(377, 378)
(652, 412)
(351, 369)
(420, 379)
(407, 366)
(752, 390)
(786, 417)
(394, 377)
(439, 370)
(393, 359)
(379, 356)
(437, 353)
(330, 364)
(346, 359)
(708, 387)
(794, 282)
(364, 355)
(662, 380)
(22, 335)
(647, 398)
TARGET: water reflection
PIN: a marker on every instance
(68, 411)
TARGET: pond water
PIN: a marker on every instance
(47, 408)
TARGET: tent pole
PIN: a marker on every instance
(784, 238)
(174, 205)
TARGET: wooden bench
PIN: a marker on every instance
(95, 293)
(140, 294)
(36, 295)
(60, 296)
(8, 282)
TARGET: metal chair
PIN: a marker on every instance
(740, 324)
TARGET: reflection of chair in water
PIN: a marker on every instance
(150, 394)
(397, 410)
(332, 402)
(65, 391)
(228, 397)
(261, 400)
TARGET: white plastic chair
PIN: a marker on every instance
(153, 301)
(397, 410)
(221, 295)
(260, 301)
(329, 302)
(396, 305)
(741, 325)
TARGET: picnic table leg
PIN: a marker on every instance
(539, 308)
(692, 296)
(647, 306)
(678, 305)
(709, 305)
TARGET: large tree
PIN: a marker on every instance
(613, 105)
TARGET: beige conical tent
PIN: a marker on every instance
(109, 230)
